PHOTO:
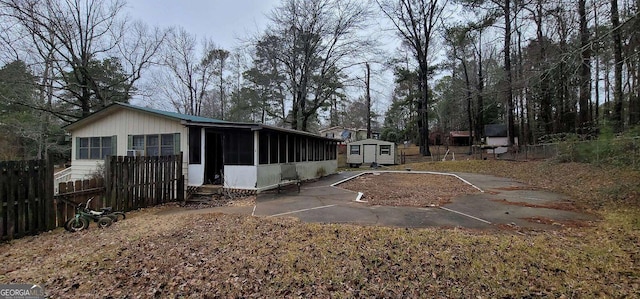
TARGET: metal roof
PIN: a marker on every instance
(118, 105)
(185, 117)
(495, 130)
(188, 120)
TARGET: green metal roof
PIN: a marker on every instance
(118, 105)
(185, 117)
(188, 120)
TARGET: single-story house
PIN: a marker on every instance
(459, 138)
(244, 156)
(371, 151)
(496, 135)
(347, 134)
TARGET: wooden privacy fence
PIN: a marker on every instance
(70, 194)
(137, 182)
(26, 198)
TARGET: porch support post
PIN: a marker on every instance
(203, 141)
(256, 147)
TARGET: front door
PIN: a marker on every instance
(369, 153)
(213, 165)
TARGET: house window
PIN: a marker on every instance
(263, 148)
(238, 148)
(283, 148)
(385, 150)
(154, 145)
(354, 150)
(195, 146)
(303, 150)
(273, 148)
(95, 148)
(292, 149)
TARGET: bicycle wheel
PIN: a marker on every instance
(76, 224)
(117, 216)
(104, 222)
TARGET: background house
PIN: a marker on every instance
(459, 138)
(236, 155)
(347, 134)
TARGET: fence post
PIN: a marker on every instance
(3, 198)
(107, 181)
(180, 178)
(50, 216)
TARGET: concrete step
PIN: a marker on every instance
(207, 190)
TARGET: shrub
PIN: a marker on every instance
(608, 149)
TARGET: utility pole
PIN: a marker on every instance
(367, 82)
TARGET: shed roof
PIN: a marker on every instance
(495, 130)
(456, 134)
(371, 141)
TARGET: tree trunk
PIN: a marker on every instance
(469, 96)
(508, 92)
(424, 119)
(480, 99)
(585, 70)
(617, 57)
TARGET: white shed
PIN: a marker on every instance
(370, 151)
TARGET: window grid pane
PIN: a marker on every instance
(355, 150)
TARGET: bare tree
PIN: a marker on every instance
(416, 21)
(186, 79)
(317, 40)
(72, 36)
(219, 57)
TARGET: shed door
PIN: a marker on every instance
(369, 153)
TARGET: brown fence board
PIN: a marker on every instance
(3, 209)
(25, 201)
(136, 182)
(11, 200)
(28, 206)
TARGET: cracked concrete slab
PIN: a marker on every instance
(503, 202)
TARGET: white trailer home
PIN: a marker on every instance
(371, 151)
(245, 156)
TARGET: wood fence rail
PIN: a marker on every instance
(26, 198)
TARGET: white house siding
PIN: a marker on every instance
(121, 123)
(240, 177)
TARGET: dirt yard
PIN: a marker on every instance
(410, 189)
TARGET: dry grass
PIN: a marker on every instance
(215, 255)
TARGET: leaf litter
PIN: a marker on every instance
(220, 256)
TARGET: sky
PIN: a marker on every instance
(226, 22)
(230, 22)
